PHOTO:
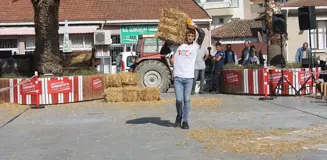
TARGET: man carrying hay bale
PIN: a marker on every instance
(183, 73)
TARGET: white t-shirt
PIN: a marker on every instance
(184, 59)
(199, 63)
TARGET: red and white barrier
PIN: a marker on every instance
(72, 93)
(252, 80)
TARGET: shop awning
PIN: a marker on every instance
(15, 31)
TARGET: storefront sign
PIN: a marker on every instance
(304, 76)
(129, 33)
(59, 86)
(97, 83)
(232, 77)
(30, 88)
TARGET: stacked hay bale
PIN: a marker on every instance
(125, 87)
(173, 25)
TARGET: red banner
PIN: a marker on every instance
(304, 76)
(31, 88)
(232, 77)
(274, 77)
(59, 86)
(97, 83)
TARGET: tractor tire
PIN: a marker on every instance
(154, 74)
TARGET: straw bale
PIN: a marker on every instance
(113, 80)
(172, 26)
(150, 94)
(131, 94)
(81, 59)
(113, 94)
(130, 79)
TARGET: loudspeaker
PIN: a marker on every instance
(279, 23)
(307, 18)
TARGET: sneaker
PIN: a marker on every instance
(178, 122)
(185, 125)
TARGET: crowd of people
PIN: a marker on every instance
(223, 56)
(189, 65)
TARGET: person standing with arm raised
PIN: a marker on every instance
(183, 73)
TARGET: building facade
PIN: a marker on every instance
(298, 37)
(224, 11)
(85, 17)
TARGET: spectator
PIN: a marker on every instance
(219, 64)
(200, 67)
(252, 59)
(245, 52)
(302, 53)
(230, 55)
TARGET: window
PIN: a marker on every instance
(8, 43)
(152, 45)
(234, 3)
(221, 20)
(130, 61)
(29, 44)
(81, 42)
(319, 36)
(115, 39)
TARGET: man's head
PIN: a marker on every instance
(228, 47)
(190, 36)
(247, 44)
(305, 46)
(218, 46)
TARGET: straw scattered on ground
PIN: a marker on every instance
(206, 103)
(247, 141)
(9, 111)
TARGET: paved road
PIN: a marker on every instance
(96, 130)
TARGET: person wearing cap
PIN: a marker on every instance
(183, 73)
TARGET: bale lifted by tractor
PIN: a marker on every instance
(154, 68)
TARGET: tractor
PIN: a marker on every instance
(154, 68)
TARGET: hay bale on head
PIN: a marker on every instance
(150, 94)
(113, 94)
(172, 26)
(130, 79)
(113, 80)
(131, 94)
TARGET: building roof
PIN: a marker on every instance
(101, 10)
(238, 29)
(299, 3)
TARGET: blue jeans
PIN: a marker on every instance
(183, 89)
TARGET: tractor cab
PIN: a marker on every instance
(148, 45)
